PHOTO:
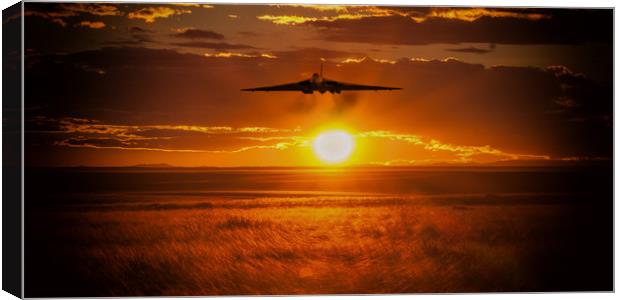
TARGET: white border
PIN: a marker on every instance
(512, 3)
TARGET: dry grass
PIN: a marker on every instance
(341, 245)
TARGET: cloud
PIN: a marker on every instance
(150, 14)
(115, 145)
(473, 14)
(551, 111)
(61, 13)
(471, 49)
(92, 24)
(93, 9)
(563, 72)
(421, 14)
(93, 134)
(465, 153)
(123, 42)
(296, 20)
(343, 13)
(315, 54)
(193, 5)
(237, 54)
(355, 60)
(248, 33)
(319, 7)
(192, 34)
(214, 46)
(131, 132)
(417, 15)
(287, 20)
(54, 17)
(87, 133)
(136, 36)
(138, 29)
(416, 27)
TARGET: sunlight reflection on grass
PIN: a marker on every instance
(352, 247)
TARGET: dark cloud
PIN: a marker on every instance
(214, 46)
(62, 35)
(136, 36)
(100, 142)
(142, 35)
(517, 109)
(132, 41)
(315, 54)
(564, 26)
(65, 13)
(138, 29)
(123, 42)
(249, 33)
(470, 49)
(195, 34)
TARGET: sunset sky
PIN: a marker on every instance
(128, 84)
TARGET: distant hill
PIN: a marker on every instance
(505, 163)
(549, 163)
(160, 165)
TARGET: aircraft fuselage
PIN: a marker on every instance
(317, 83)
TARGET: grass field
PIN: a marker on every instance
(313, 243)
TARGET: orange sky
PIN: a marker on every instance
(127, 84)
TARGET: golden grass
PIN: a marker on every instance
(339, 245)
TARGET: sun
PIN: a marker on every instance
(333, 146)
